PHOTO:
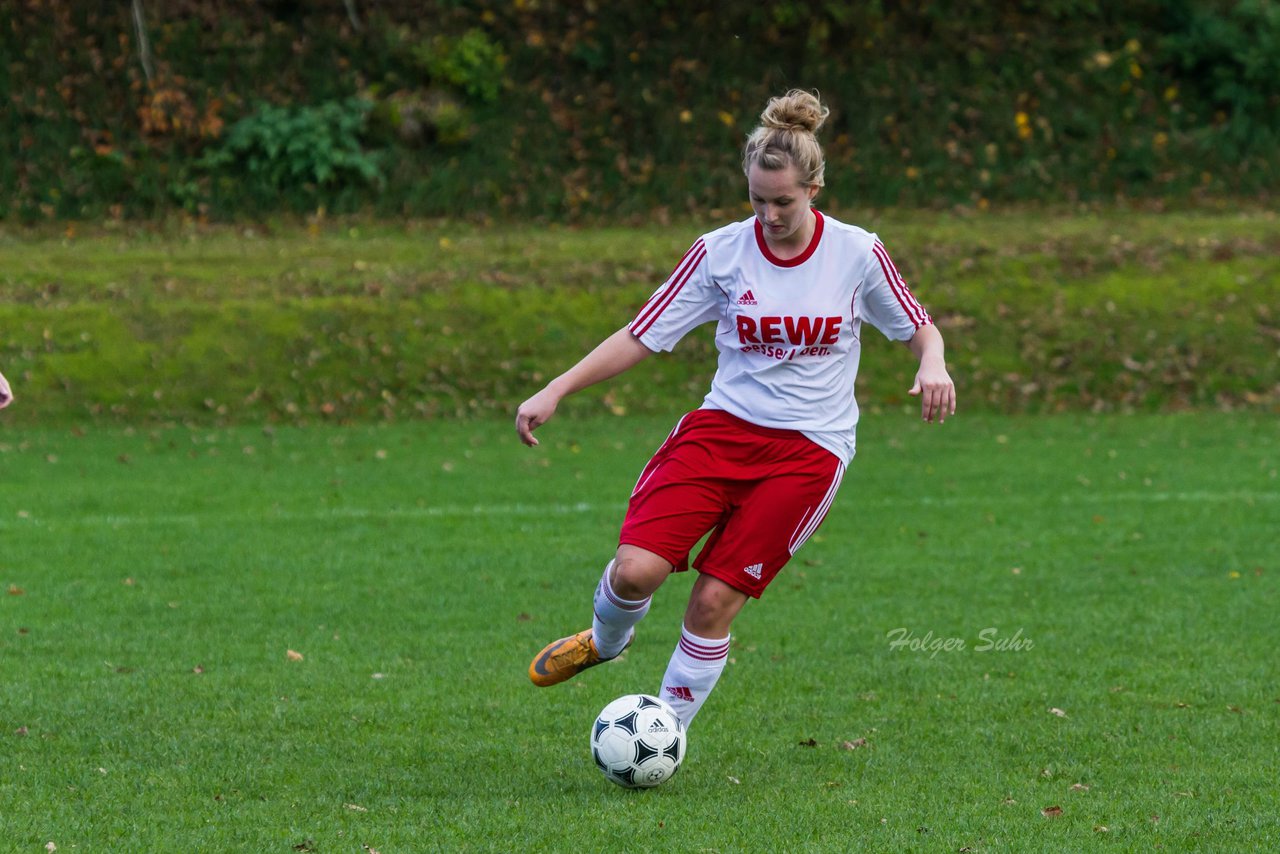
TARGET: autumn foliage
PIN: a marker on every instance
(581, 109)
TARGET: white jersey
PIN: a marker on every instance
(788, 331)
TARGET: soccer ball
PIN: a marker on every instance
(638, 741)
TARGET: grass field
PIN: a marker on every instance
(158, 580)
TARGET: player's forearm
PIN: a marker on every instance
(927, 344)
(619, 352)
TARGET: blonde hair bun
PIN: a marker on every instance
(797, 110)
(786, 137)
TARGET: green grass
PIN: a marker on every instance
(418, 566)
(1042, 310)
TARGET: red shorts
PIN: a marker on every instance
(760, 491)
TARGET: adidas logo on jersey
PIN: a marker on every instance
(747, 299)
(680, 692)
(754, 570)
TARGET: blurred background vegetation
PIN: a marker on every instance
(228, 109)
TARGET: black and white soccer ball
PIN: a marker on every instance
(638, 741)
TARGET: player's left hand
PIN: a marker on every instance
(936, 391)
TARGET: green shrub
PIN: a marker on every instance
(1231, 60)
(472, 62)
(298, 148)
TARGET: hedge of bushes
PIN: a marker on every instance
(582, 110)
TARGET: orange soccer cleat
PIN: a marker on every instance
(566, 658)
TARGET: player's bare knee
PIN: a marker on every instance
(711, 609)
(637, 572)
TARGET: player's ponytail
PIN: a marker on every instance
(786, 136)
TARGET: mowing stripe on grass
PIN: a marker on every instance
(419, 513)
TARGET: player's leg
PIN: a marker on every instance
(621, 600)
(773, 518)
(700, 656)
(623, 596)
(671, 508)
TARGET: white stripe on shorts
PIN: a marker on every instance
(646, 472)
(809, 523)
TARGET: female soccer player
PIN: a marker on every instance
(759, 463)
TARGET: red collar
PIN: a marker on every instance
(799, 259)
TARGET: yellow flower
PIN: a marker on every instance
(686, 116)
(726, 118)
(1160, 140)
(912, 173)
(1135, 69)
(1171, 93)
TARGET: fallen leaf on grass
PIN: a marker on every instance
(356, 807)
(1051, 812)
(1058, 712)
(20, 731)
(1100, 828)
(305, 845)
(1079, 787)
(292, 656)
(734, 780)
(15, 590)
(522, 617)
(809, 742)
(369, 849)
(854, 745)
(198, 669)
(50, 847)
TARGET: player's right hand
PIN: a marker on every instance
(533, 413)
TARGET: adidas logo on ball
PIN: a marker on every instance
(657, 726)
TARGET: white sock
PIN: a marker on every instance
(694, 668)
(615, 617)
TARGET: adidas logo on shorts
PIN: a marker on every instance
(747, 299)
(754, 570)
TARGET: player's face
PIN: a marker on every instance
(781, 201)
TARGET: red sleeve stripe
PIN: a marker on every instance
(665, 296)
(919, 317)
